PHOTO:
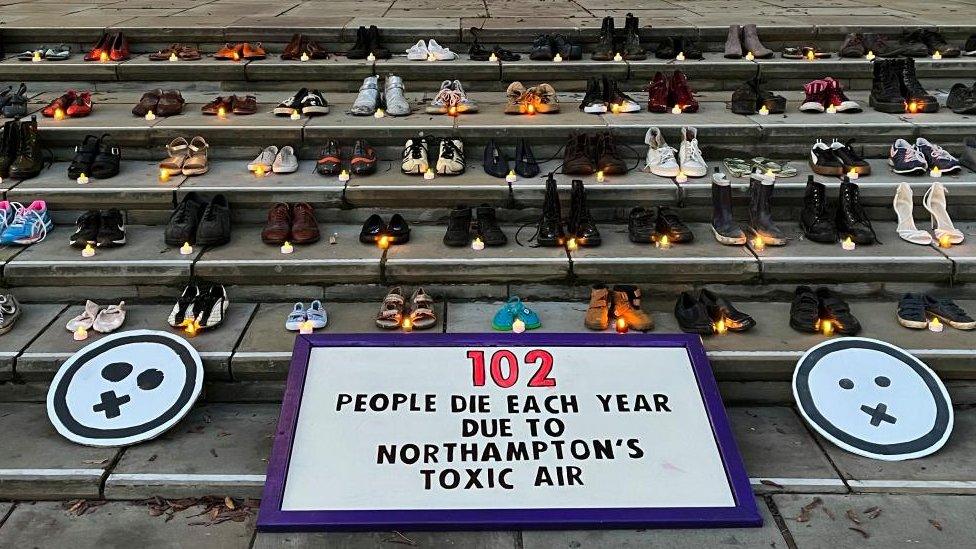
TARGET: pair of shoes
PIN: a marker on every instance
(69, 105)
(849, 220)
(810, 311)
(586, 154)
(580, 227)
(369, 100)
(315, 315)
(97, 157)
(295, 224)
(460, 231)
(241, 50)
(604, 95)
(724, 227)
(182, 52)
(273, 159)
(450, 156)
(159, 102)
(650, 225)
(752, 97)
(705, 313)
(368, 42)
(629, 47)
(671, 46)
(546, 47)
(537, 99)
(186, 157)
(665, 92)
(935, 202)
(20, 149)
(302, 46)
(60, 52)
(962, 99)
(480, 53)
(932, 40)
(104, 229)
(853, 46)
(222, 106)
(103, 321)
(14, 104)
(496, 164)
(195, 221)
(761, 223)
(112, 46)
(742, 41)
(907, 159)
(809, 52)
(827, 95)
(431, 51)
(740, 167)
(305, 101)
(837, 159)
(622, 302)
(511, 311)
(362, 162)
(198, 309)
(10, 312)
(24, 225)
(375, 230)
(895, 88)
(660, 159)
(452, 100)
(914, 311)
(393, 315)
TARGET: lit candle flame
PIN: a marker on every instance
(912, 107)
(82, 179)
(831, 109)
(557, 58)
(383, 242)
(618, 57)
(88, 251)
(172, 57)
(221, 112)
(103, 57)
(827, 327)
(572, 245)
(676, 109)
(59, 113)
(37, 56)
(80, 334)
(287, 248)
(379, 113)
(518, 326)
(259, 171)
(237, 56)
(750, 56)
(493, 58)
(758, 243)
(936, 172)
(453, 110)
(371, 57)
(186, 249)
(621, 326)
(511, 177)
(306, 327)
(477, 244)
(680, 56)
(945, 241)
(764, 110)
(664, 242)
(810, 56)
(295, 115)
(407, 324)
(429, 174)
(305, 56)
(530, 109)
(163, 175)
(600, 177)
(150, 116)
(937, 55)
(852, 174)
(190, 326)
(343, 176)
(848, 244)
(869, 56)
(935, 324)
(720, 327)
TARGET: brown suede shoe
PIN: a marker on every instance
(293, 51)
(598, 313)
(147, 103)
(247, 105)
(304, 228)
(315, 50)
(170, 103)
(626, 305)
(213, 108)
(278, 227)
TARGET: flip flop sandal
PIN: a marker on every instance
(803, 52)
(422, 316)
(391, 311)
(60, 53)
(110, 318)
(779, 170)
(737, 167)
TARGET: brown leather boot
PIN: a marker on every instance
(304, 228)
(626, 305)
(598, 313)
(294, 49)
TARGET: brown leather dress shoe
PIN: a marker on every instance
(278, 227)
(147, 103)
(598, 313)
(304, 228)
(293, 51)
(189, 53)
(213, 108)
(165, 53)
(252, 52)
(247, 105)
(170, 103)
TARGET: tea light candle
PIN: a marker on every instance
(530, 109)
(454, 112)
(621, 326)
(477, 244)
(663, 243)
(911, 108)
(429, 174)
(407, 325)
(811, 56)
(186, 249)
(492, 58)
(295, 115)
(763, 111)
(827, 327)
(935, 325)
(222, 113)
(260, 171)
(720, 327)
(82, 179)
(511, 177)
(103, 57)
(945, 241)
(600, 177)
(150, 116)
(518, 326)
(305, 56)
(379, 113)
(680, 56)
(306, 327)
(571, 245)
(869, 56)
(287, 248)
(59, 113)
(936, 172)
(172, 57)
(758, 243)
(750, 56)
(615, 108)
(557, 58)
(343, 176)
(383, 242)
(618, 57)
(431, 57)
(88, 251)
(848, 244)
(80, 334)
(681, 178)
(371, 57)
(676, 109)
(163, 175)
(334, 238)
(831, 109)
(852, 174)
(937, 55)
(37, 57)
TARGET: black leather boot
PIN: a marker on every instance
(608, 157)
(817, 223)
(458, 227)
(581, 225)
(487, 226)
(724, 227)
(886, 94)
(29, 162)
(912, 89)
(360, 49)
(604, 50)
(760, 212)
(550, 233)
(851, 219)
(632, 49)
(9, 146)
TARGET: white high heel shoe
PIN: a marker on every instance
(935, 202)
(906, 223)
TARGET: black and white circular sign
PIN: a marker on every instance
(124, 389)
(873, 399)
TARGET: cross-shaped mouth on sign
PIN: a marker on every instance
(878, 414)
(111, 404)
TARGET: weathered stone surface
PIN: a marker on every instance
(467, 540)
(34, 318)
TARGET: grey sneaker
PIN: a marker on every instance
(396, 102)
(969, 153)
(285, 161)
(365, 104)
(9, 312)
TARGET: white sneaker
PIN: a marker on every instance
(264, 160)
(450, 157)
(660, 159)
(439, 52)
(415, 157)
(286, 161)
(418, 51)
(464, 104)
(692, 162)
(446, 98)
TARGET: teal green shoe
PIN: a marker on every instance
(516, 309)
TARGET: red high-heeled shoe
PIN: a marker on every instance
(120, 48)
(95, 53)
(81, 106)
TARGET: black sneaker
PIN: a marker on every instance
(565, 48)
(86, 229)
(853, 46)
(912, 44)
(667, 48)
(505, 55)
(182, 225)
(692, 316)
(838, 312)
(487, 226)
(84, 156)
(850, 159)
(720, 309)
(852, 220)
(313, 104)
(183, 308)
(962, 99)
(905, 159)
(805, 310)
(108, 160)
(330, 160)
(458, 227)
(593, 101)
(947, 311)
(670, 225)
(111, 229)
(214, 227)
(210, 306)
(292, 104)
(641, 225)
(911, 311)
(824, 161)
(935, 42)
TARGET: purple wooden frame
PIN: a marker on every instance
(272, 518)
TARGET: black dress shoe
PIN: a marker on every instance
(838, 312)
(641, 225)
(107, 161)
(805, 310)
(214, 227)
(398, 230)
(692, 316)
(494, 161)
(373, 229)
(182, 225)
(84, 156)
(669, 224)
(487, 226)
(525, 163)
(458, 227)
(720, 308)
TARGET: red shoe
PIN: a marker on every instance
(81, 106)
(657, 100)
(120, 48)
(681, 94)
(95, 53)
(61, 103)
(835, 96)
(816, 99)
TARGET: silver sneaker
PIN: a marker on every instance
(365, 104)
(396, 101)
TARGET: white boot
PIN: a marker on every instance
(906, 223)
(935, 202)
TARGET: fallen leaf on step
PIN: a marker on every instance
(936, 524)
(863, 533)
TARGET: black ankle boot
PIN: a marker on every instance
(360, 49)
(724, 227)
(550, 232)
(815, 218)
(581, 225)
(9, 146)
(603, 51)
(760, 212)
(886, 95)
(487, 226)
(633, 51)
(458, 227)
(852, 221)
(378, 50)
(28, 163)
(913, 91)
(525, 163)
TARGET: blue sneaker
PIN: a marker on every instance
(317, 315)
(7, 212)
(512, 309)
(29, 226)
(295, 318)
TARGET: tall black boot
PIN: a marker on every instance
(360, 49)
(28, 163)
(550, 232)
(886, 93)
(815, 218)
(603, 51)
(724, 227)
(851, 219)
(525, 162)
(760, 211)
(632, 42)
(581, 223)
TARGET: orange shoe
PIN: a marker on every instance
(253, 52)
(230, 52)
